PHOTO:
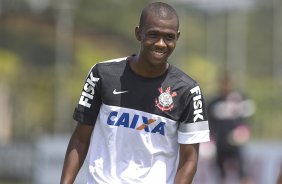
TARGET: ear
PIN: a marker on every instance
(138, 33)
(178, 34)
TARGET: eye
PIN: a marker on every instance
(152, 34)
(170, 37)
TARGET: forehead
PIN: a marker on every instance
(156, 23)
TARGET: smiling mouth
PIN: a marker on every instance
(159, 53)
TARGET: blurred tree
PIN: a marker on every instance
(9, 73)
(112, 17)
(10, 65)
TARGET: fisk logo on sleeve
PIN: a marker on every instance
(88, 90)
(197, 103)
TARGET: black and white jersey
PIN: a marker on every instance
(139, 122)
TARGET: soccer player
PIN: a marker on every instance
(229, 113)
(143, 117)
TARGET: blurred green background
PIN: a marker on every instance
(48, 46)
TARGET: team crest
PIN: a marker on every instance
(165, 101)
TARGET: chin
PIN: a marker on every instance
(158, 63)
(158, 60)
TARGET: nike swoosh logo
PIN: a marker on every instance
(115, 92)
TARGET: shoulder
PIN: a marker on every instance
(109, 65)
(112, 62)
(181, 77)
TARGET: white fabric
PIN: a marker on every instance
(136, 156)
(193, 137)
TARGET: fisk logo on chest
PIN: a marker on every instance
(88, 90)
(197, 103)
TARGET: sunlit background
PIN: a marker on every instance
(48, 46)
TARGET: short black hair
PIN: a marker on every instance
(159, 9)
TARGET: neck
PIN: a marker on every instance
(146, 69)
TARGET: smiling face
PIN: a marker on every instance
(158, 37)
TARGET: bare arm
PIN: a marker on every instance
(76, 153)
(188, 160)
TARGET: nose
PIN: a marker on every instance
(160, 43)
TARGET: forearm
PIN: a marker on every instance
(188, 160)
(186, 173)
(75, 156)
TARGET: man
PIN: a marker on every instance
(228, 114)
(147, 113)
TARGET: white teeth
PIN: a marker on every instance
(159, 53)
